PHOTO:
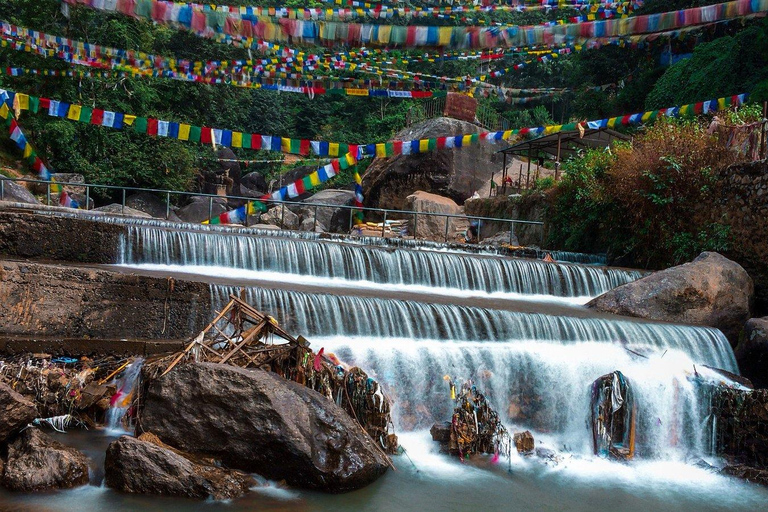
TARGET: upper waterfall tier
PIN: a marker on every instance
(358, 263)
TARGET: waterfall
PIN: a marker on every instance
(536, 369)
(356, 263)
(122, 399)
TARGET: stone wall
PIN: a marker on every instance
(524, 207)
(81, 302)
(742, 425)
(25, 234)
(743, 205)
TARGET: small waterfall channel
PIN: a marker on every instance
(121, 401)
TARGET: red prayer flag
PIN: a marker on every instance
(152, 126)
(304, 147)
(205, 135)
(255, 141)
(97, 116)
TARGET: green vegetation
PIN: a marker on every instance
(647, 203)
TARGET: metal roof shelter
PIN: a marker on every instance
(563, 145)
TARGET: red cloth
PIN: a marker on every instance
(205, 135)
(97, 117)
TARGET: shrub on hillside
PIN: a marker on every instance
(648, 203)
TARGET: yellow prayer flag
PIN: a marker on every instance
(4, 111)
(357, 92)
(647, 116)
(27, 150)
(612, 122)
(507, 134)
(314, 178)
(23, 101)
(237, 139)
(381, 150)
(285, 144)
(333, 149)
(423, 145)
(444, 36)
(466, 140)
(184, 132)
(358, 179)
(74, 112)
(720, 103)
(351, 160)
(129, 119)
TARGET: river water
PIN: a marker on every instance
(410, 316)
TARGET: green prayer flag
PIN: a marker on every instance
(34, 104)
(85, 114)
(194, 133)
(140, 125)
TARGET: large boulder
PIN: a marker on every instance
(454, 173)
(199, 209)
(335, 220)
(255, 181)
(432, 227)
(16, 192)
(276, 217)
(152, 205)
(118, 209)
(752, 352)
(711, 290)
(256, 421)
(144, 467)
(37, 462)
(16, 412)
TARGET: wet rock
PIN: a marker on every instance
(524, 442)
(453, 173)
(336, 220)
(441, 433)
(118, 209)
(752, 352)
(16, 192)
(432, 227)
(143, 467)
(276, 217)
(750, 474)
(711, 290)
(256, 421)
(546, 453)
(197, 210)
(38, 462)
(741, 425)
(16, 412)
(152, 205)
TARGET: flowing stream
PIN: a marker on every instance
(535, 363)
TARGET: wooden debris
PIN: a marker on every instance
(244, 337)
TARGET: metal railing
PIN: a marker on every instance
(382, 213)
(424, 110)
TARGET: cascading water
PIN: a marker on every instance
(535, 368)
(221, 254)
(121, 400)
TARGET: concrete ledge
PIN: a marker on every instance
(47, 300)
(57, 346)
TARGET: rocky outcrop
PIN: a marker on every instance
(118, 209)
(152, 205)
(433, 227)
(16, 192)
(531, 207)
(334, 220)
(143, 467)
(37, 462)
(256, 421)
(16, 412)
(53, 300)
(741, 425)
(255, 181)
(743, 205)
(453, 173)
(281, 216)
(202, 208)
(752, 352)
(524, 442)
(711, 290)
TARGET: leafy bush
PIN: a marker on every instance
(647, 203)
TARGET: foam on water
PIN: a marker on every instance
(355, 263)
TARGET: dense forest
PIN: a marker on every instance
(725, 59)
